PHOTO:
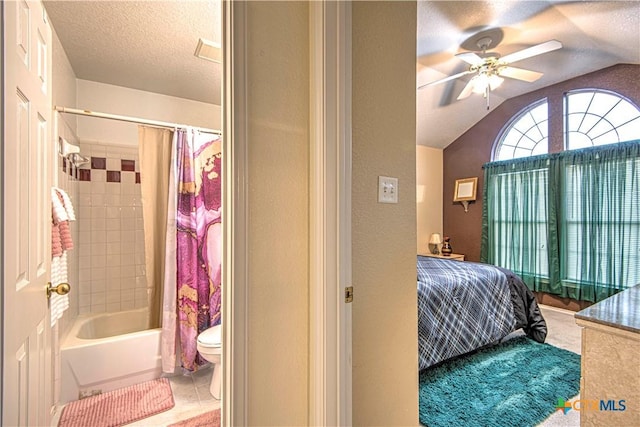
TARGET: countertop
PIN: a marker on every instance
(621, 311)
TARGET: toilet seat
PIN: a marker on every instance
(211, 338)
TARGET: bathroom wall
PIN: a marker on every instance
(120, 100)
(64, 92)
(111, 237)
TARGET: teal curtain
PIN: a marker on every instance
(518, 214)
(567, 223)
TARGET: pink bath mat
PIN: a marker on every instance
(208, 419)
(119, 407)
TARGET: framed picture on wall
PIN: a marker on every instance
(465, 190)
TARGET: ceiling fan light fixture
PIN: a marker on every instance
(486, 81)
(495, 81)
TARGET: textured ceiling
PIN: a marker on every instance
(145, 45)
(149, 45)
(594, 35)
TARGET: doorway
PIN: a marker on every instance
(73, 85)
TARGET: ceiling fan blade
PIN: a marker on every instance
(531, 51)
(470, 58)
(468, 89)
(519, 74)
(446, 79)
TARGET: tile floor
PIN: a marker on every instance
(563, 332)
(190, 394)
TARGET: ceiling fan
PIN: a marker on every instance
(490, 67)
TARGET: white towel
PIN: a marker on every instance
(58, 209)
(61, 211)
(66, 201)
(58, 303)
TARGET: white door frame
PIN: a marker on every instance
(330, 214)
(235, 214)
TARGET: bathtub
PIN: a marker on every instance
(103, 352)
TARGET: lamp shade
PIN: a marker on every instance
(435, 239)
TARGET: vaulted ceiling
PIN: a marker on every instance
(594, 35)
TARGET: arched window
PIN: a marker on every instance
(567, 222)
(526, 134)
(598, 117)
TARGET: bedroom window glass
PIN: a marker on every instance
(526, 134)
(597, 117)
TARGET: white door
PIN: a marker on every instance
(27, 157)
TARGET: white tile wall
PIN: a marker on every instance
(111, 264)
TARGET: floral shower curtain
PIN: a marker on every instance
(198, 239)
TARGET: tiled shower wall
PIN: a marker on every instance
(111, 233)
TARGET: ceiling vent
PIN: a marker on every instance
(209, 50)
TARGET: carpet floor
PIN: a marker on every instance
(208, 419)
(515, 383)
(119, 407)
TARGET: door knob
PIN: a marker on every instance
(61, 289)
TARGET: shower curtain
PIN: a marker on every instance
(154, 149)
(181, 191)
(198, 239)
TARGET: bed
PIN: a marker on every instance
(463, 306)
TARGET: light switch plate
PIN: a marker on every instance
(387, 189)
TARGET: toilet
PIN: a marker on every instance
(210, 347)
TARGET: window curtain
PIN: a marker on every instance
(198, 239)
(600, 214)
(568, 223)
(517, 219)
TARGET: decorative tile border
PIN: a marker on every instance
(69, 169)
(100, 163)
(113, 176)
(128, 165)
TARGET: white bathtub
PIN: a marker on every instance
(103, 352)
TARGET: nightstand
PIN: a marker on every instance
(457, 257)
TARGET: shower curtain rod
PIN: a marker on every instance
(131, 119)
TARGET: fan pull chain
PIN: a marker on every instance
(487, 90)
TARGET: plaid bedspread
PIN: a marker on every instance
(462, 306)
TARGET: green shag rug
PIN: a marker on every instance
(515, 383)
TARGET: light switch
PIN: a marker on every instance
(387, 189)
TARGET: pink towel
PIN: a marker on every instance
(65, 236)
(56, 242)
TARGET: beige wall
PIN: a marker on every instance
(106, 98)
(385, 354)
(278, 150)
(428, 194)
